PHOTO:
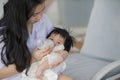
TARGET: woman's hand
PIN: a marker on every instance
(38, 54)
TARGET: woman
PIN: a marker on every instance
(20, 27)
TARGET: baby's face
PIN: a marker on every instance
(57, 39)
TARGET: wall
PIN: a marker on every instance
(75, 12)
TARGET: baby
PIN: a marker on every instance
(60, 40)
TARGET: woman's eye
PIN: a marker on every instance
(51, 39)
(34, 15)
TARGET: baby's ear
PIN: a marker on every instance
(2, 3)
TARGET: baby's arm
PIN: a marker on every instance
(54, 59)
(63, 54)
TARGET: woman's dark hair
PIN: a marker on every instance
(14, 33)
(64, 33)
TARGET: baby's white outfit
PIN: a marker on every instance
(49, 74)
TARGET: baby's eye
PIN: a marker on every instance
(58, 43)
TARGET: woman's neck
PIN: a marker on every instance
(29, 27)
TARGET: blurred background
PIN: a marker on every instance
(72, 14)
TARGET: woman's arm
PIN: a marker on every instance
(8, 71)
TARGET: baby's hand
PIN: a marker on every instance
(63, 53)
(57, 61)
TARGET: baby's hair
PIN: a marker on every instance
(65, 34)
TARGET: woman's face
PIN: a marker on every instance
(37, 14)
(57, 39)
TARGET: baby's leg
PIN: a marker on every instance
(63, 77)
(117, 79)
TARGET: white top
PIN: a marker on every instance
(40, 30)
